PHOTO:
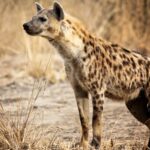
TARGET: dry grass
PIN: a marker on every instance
(18, 132)
(21, 132)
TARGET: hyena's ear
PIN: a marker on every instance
(58, 11)
(39, 7)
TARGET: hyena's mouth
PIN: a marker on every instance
(30, 32)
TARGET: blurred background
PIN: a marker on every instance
(28, 66)
(21, 56)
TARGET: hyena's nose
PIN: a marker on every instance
(26, 26)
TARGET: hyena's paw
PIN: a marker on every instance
(78, 146)
(75, 146)
(95, 143)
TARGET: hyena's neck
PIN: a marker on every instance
(72, 42)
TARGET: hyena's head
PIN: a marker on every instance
(46, 22)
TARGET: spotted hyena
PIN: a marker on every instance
(94, 67)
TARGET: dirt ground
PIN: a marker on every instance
(56, 108)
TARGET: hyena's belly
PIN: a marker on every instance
(124, 88)
(121, 95)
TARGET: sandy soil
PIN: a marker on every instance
(56, 108)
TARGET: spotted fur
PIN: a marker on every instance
(96, 67)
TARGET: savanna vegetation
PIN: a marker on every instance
(29, 65)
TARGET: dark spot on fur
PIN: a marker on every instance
(114, 45)
(95, 116)
(107, 48)
(83, 40)
(97, 96)
(140, 61)
(120, 67)
(101, 108)
(83, 32)
(97, 57)
(96, 65)
(114, 57)
(123, 86)
(100, 102)
(74, 28)
(92, 75)
(125, 62)
(90, 68)
(90, 36)
(94, 85)
(115, 49)
(91, 43)
(68, 21)
(125, 50)
(102, 54)
(123, 56)
(97, 49)
(93, 99)
(119, 75)
(89, 55)
(133, 63)
(95, 71)
(84, 58)
(95, 92)
(115, 67)
(131, 59)
(94, 52)
(148, 64)
(108, 62)
(89, 75)
(85, 49)
(128, 72)
(100, 40)
(141, 75)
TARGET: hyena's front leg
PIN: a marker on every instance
(98, 100)
(83, 107)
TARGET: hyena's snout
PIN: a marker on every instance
(31, 29)
(26, 26)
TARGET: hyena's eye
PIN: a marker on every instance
(42, 19)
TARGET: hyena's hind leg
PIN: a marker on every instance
(148, 95)
(138, 108)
